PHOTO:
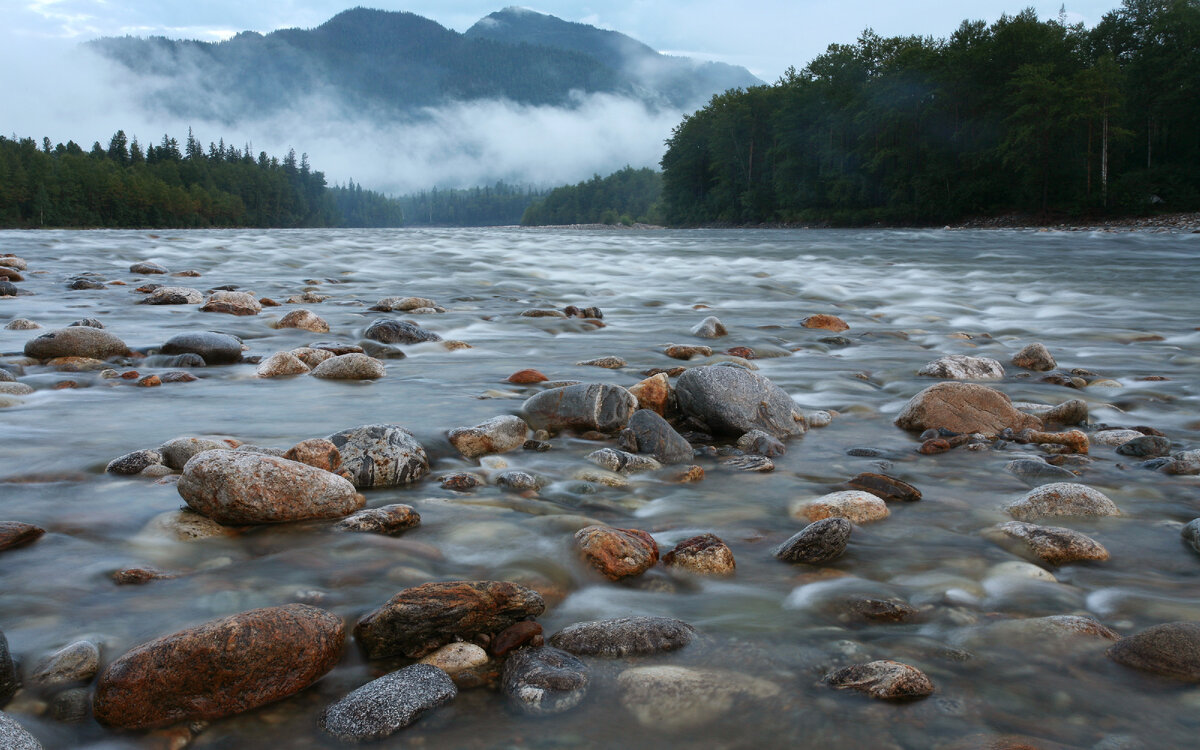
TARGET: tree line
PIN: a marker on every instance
(500, 204)
(624, 197)
(1022, 116)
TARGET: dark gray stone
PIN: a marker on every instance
(76, 341)
(818, 542)
(1185, 463)
(384, 706)
(649, 433)
(215, 348)
(1191, 534)
(380, 455)
(709, 328)
(518, 480)
(177, 360)
(1034, 472)
(624, 636)
(8, 289)
(733, 401)
(71, 705)
(147, 267)
(9, 681)
(1147, 446)
(79, 284)
(133, 463)
(398, 332)
(544, 680)
(174, 295)
(1171, 650)
(582, 407)
(14, 737)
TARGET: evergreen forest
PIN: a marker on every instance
(624, 197)
(1041, 118)
(496, 205)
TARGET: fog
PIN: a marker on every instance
(63, 91)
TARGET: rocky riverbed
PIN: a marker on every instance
(501, 488)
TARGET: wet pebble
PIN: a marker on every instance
(405, 304)
(586, 406)
(305, 320)
(461, 481)
(281, 364)
(384, 706)
(1073, 412)
(1034, 472)
(1035, 357)
(687, 351)
(16, 534)
(1052, 544)
(76, 341)
(147, 267)
(518, 480)
(178, 451)
(623, 462)
(350, 367)
(855, 506)
(608, 363)
(963, 367)
(21, 324)
(524, 633)
(544, 680)
(312, 357)
(174, 295)
(825, 322)
(617, 553)
(1114, 438)
(819, 542)
(215, 348)
(671, 698)
(387, 331)
(884, 679)
(316, 452)
(760, 443)
(625, 636)
(389, 519)
(733, 401)
(1191, 534)
(457, 658)
(649, 433)
(1146, 446)
(653, 394)
(526, 377)
(759, 464)
(963, 408)
(1062, 499)
(709, 328)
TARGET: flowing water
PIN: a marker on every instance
(1122, 306)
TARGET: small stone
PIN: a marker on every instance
(1036, 472)
(526, 377)
(624, 636)
(963, 408)
(608, 363)
(962, 367)
(312, 357)
(15, 389)
(496, 435)
(390, 519)
(140, 575)
(316, 452)
(1171, 650)
(670, 698)
(215, 348)
(281, 364)
(1115, 437)
(1073, 412)
(524, 633)
(9, 260)
(460, 482)
(81, 364)
(76, 284)
(709, 328)
(1146, 446)
(178, 451)
(686, 474)
(687, 351)
(1062, 499)
(232, 303)
(825, 323)
(884, 679)
(705, 554)
(535, 313)
(1054, 545)
(174, 295)
(1035, 357)
(883, 610)
(147, 267)
(21, 324)
(455, 658)
(819, 542)
(742, 352)
(305, 320)
(885, 487)
(387, 331)
(653, 393)
(617, 553)
(760, 464)
(149, 381)
(16, 534)
(384, 706)
(350, 367)
(518, 481)
(543, 681)
(855, 506)
(623, 462)
(404, 304)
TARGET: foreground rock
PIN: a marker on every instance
(669, 698)
(496, 435)
(232, 303)
(963, 408)
(384, 706)
(855, 506)
(625, 636)
(732, 401)
(1062, 499)
(962, 367)
(544, 680)
(1170, 650)
(706, 555)
(353, 366)
(215, 348)
(16, 534)
(884, 679)
(220, 668)
(1052, 544)
(76, 341)
(399, 332)
(649, 433)
(14, 737)
(617, 553)
(582, 407)
(418, 620)
(819, 542)
(390, 519)
(380, 455)
(237, 488)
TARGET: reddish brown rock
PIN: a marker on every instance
(150, 381)
(525, 633)
(318, 453)
(825, 323)
(885, 487)
(15, 534)
(220, 668)
(617, 553)
(418, 620)
(963, 408)
(527, 377)
(705, 554)
(884, 679)
(687, 351)
(744, 352)
(653, 393)
(1035, 357)
(685, 474)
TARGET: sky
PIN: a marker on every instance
(50, 86)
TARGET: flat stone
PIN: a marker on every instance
(178, 451)
(496, 435)
(855, 506)
(215, 348)
(582, 407)
(1051, 633)
(543, 681)
(885, 487)
(387, 331)
(390, 519)
(965, 408)
(236, 488)
(76, 341)
(608, 363)
(710, 328)
(1035, 357)
(76, 662)
(725, 400)
(825, 323)
(1072, 412)
(963, 367)
(21, 324)
(884, 679)
(305, 320)
(749, 463)
(1062, 499)
(16, 534)
(617, 553)
(281, 364)
(418, 620)
(232, 303)
(13, 736)
(670, 698)
(624, 636)
(350, 367)
(380, 455)
(184, 526)
(705, 554)
(1052, 544)
(649, 433)
(384, 706)
(174, 295)
(819, 542)
(1171, 650)
(221, 668)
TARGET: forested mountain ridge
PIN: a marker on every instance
(397, 62)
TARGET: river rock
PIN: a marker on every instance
(962, 367)
(670, 698)
(623, 462)
(518, 635)
(650, 433)
(16, 534)
(281, 364)
(384, 706)
(819, 542)
(526, 377)
(1170, 650)
(1184, 463)
(174, 295)
(1062, 499)
(147, 267)
(1191, 534)
(705, 554)
(687, 351)
(312, 357)
(1034, 472)
(731, 401)
(544, 680)
(1067, 413)
(390, 519)
(1053, 544)
(223, 667)
(624, 636)
(405, 304)
(963, 408)
(709, 328)
(1035, 357)
(1146, 446)
(305, 320)
(9, 289)
(387, 331)
(617, 553)
(236, 488)
(350, 367)
(1114, 438)
(653, 393)
(15, 389)
(855, 506)
(1049, 633)
(760, 443)
(232, 303)
(215, 348)
(496, 435)
(885, 487)
(418, 620)
(582, 407)
(380, 455)
(459, 659)
(178, 451)
(11, 261)
(825, 323)
(21, 324)
(317, 452)
(9, 679)
(13, 736)
(884, 679)
(76, 341)
(519, 480)
(77, 662)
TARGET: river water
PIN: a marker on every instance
(1120, 305)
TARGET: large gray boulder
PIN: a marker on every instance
(380, 455)
(733, 401)
(76, 341)
(582, 407)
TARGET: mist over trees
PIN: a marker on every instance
(500, 204)
(1029, 116)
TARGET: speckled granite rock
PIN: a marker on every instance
(384, 706)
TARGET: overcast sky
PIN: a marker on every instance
(765, 36)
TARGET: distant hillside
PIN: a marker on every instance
(391, 62)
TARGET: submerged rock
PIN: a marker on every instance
(174, 295)
(9, 680)
(147, 267)
(1062, 499)
(705, 554)
(586, 406)
(964, 408)
(1034, 472)
(962, 367)
(731, 401)
(625, 636)
(76, 341)
(544, 681)
(617, 553)
(620, 461)
(825, 323)
(75, 662)
(819, 542)
(384, 706)
(670, 698)
(1146, 446)
(380, 455)
(1052, 544)
(16, 534)
(390, 519)
(223, 667)
(709, 328)
(496, 435)
(215, 348)
(305, 320)
(885, 487)
(884, 679)
(1191, 534)
(1170, 650)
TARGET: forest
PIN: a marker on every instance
(164, 185)
(500, 204)
(1039, 118)
(624, 197)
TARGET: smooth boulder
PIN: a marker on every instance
(1053, 545)
(647, 432)
(215, 348)
(281, 364)
(386, 705)
(353, 366)
(232, 303)
(76, 341)
(1171, 650)
(496, 435)
(617, 553)
(581, 407)
(305, 320)
(855, 506)
(731, 401)
(1062, 499)
(380, 455)
(673, 698)
(963, 408)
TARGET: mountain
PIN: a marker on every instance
(391, 63)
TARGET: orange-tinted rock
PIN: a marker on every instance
(617, 553)
(825, 323)
(16, 534)
(220, 668)
(963, 408)
(318, 452)
(885, 487)
(653, 393)
(526, 377)
(705, 554)
(523, 633)
(150, 381)
(686, 474)
(744, 352)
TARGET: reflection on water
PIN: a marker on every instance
(1120, 306)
